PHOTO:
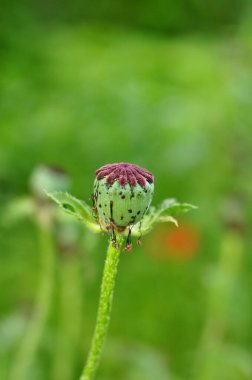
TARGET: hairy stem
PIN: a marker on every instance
(30, 343)
(104, 309)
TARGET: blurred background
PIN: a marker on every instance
(166, 85)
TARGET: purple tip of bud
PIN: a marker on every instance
(125, 173)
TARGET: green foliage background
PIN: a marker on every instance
(168, 88)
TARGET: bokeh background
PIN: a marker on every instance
(166, 85)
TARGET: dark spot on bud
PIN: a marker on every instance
(138, 212)
(121, 217)
(123, 197)
(100, 205)
(111, 210)
(130, 211)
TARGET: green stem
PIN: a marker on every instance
(104, 310)
(30, 342)
(69, 329)
(220, 294)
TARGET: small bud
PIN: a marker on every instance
(122, 195)
(48, 178)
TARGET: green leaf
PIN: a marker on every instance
(171, 207)
(163, 213)
(75, 207)
(168, 218)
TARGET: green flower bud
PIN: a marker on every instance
(122, 195)
(48, 178)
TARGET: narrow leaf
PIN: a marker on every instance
(73, 206)
(164, 213)
(169, 208)
(168, 218)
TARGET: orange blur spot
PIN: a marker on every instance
(179, 243)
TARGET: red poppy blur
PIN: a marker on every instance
(179, 243)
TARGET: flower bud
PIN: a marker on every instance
(122, 195)
(49, 178)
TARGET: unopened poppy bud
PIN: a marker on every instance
(122, 195)
(49, 178)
